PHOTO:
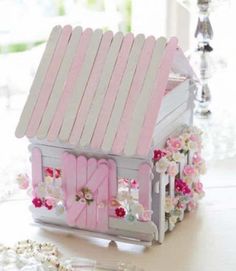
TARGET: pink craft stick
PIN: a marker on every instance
(37, 174)
(136, 88)
(112, 90)
(91, 87)
(70, 84)
(82, 179)
(49, 81)
(158, 91)
(92, 208)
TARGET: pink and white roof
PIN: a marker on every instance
(98, 90)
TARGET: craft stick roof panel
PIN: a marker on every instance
(102, 91)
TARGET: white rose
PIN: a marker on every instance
(178, 157)
(192, 146)
(136, 208)
(162, 165)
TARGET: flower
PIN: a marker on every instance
(49, 171)
(48, 180)
(88, 196)
(57, 173)
(158, 154)
(175, 143)
(23, 181)
(120, 212)
(80, 194)
(37, 202)
(169, 205)
(172, 169)
(134, 184)
(182, 187)
(178, 157)
(162, 165)
(147, 215)
(49, 203)
(173, 220)
(192, 145)
(197, 159)
(189, 170)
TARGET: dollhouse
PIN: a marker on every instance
(108, 119)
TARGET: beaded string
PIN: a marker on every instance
(45, 254)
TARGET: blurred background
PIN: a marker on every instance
(26, 24)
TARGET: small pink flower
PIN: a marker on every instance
(158, 154)
(189, 170)
(197, 159)
(49, 171)
(192, 205)
(147, 215)
(23, 181)
(198, 187)
(172, 169)
(57, 173)
(175, 144)
(134, 184)
(49, 203)
(80, 194)
(194, 137)
(37, 202)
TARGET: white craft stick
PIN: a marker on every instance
(141, 106)
(38, 81)
(80, 86)
(101, 90)
(59, 84)
(123, 93)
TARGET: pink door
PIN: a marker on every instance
(88, 185)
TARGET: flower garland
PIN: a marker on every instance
(84, 196)
(188, 189)
(126, 206)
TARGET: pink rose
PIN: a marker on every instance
(181, 187)
(198, 187)
(172, 169)
(37, 202)
(175, 144)
(194, 137)
(197, 159)
(189, 170)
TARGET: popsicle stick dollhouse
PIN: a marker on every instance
(100, 105)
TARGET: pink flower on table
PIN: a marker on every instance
(189, 170)
(37, 202)
(175, 144)
(158, 154)
(197, 159)
(172, 169)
